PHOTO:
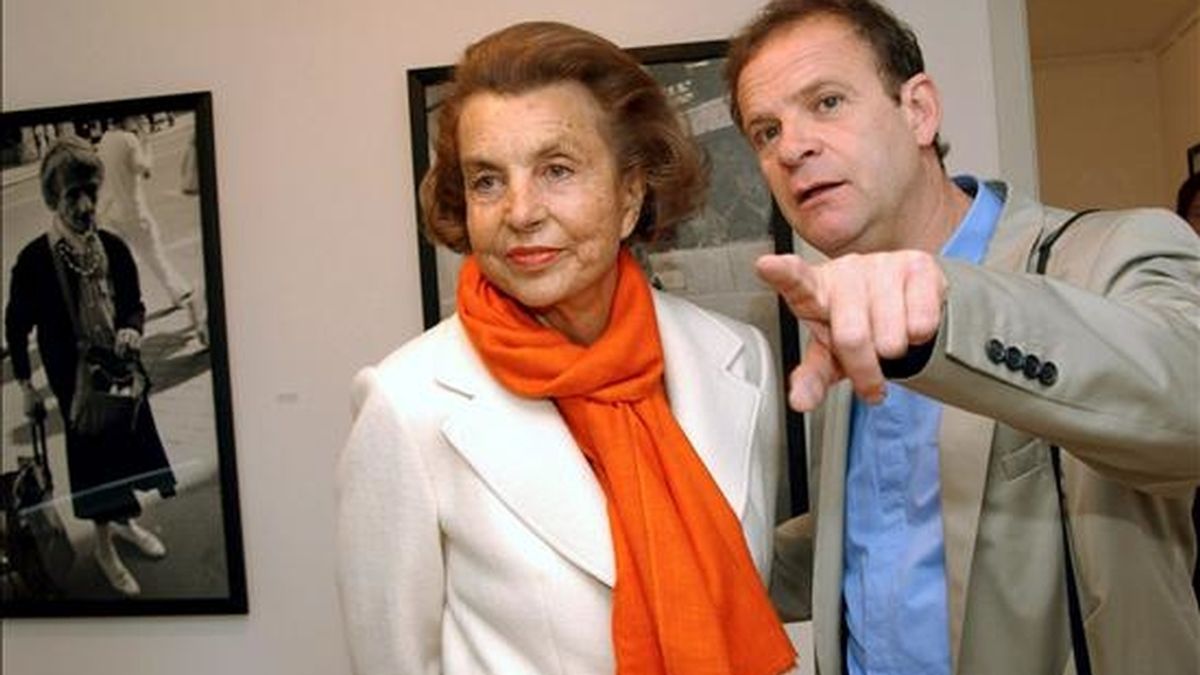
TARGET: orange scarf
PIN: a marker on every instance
(687, 600)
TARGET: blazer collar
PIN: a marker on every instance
(526, 455)
(1012, 245)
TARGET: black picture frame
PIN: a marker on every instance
(184, 351)
(1193, 155)
(740, 222)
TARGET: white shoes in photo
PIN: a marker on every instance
(118, 575)
(142, 539)
(115, 571)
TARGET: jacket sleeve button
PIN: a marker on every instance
(1048, 375)
(995, 351)
(1014, 359)
(1032, 366)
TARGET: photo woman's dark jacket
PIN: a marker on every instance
(104, 470)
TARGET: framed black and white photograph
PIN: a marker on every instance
(710, 259)
(119, 481)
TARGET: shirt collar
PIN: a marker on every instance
(970, 239)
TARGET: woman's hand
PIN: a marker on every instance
(127, 341)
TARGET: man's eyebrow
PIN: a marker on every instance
(809, 90)
(805, 93)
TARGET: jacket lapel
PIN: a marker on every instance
(1012, 246)
(715, 408)
(832, 422)
(524, 452)
(966, 439)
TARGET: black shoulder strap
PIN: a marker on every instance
(1043, 250)
(1083, 662)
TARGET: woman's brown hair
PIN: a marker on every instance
(645, 132)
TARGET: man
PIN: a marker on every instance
(124, 208)
(941, 368)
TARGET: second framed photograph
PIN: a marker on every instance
(710, 259)
(118, 485)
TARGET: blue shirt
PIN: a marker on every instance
(894, 575)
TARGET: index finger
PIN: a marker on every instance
(797, 283)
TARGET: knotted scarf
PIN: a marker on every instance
(687, 599)
(83, 255)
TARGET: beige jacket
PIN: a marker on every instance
(1119, 316)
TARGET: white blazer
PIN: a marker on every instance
(472, 534)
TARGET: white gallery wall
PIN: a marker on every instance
(319, 244)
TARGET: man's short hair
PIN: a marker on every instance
(72, 158)
(897, 52)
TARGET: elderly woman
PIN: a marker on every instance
(75, 285)
(574, 473)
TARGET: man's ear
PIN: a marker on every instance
(633, 193)
(922, 106)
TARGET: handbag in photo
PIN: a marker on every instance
(109, 391)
